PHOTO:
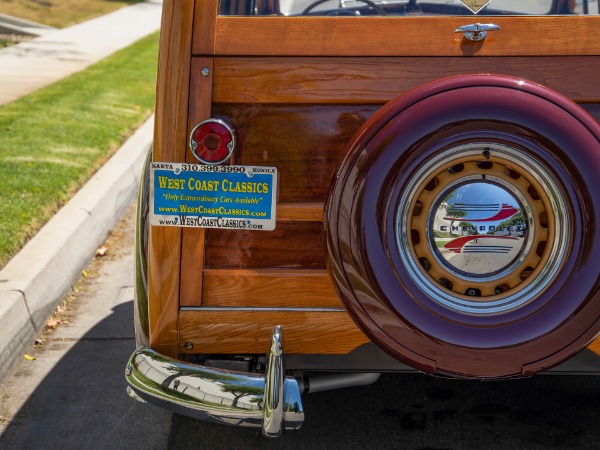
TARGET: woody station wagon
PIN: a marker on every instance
(391, 185)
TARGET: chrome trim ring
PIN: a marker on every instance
(534, 263)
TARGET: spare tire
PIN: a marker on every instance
(462, 227)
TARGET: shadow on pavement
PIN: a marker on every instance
(421, 412)
(82, 404)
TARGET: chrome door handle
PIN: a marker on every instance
(477, 31)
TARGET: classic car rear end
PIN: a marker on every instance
(407, 188)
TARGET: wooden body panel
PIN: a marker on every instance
(169, 140)
(248, 332)
(376, 80)
(193, 240)
(265, 288)
(296, 92)
(304, 142)
(403, 36)
(292, 245)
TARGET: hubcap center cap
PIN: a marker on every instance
(478, 229)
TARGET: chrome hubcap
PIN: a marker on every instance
(481, 228)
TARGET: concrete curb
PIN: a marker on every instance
(38, 277)
(16, 25)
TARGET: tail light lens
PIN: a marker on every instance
(212, 141)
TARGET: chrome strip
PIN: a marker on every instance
(273, 414)
(221, 396)
(141, 257)
(265, 309)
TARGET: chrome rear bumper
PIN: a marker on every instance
(271, 401)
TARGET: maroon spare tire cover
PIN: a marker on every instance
(461, 227)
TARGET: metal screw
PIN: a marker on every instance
(205, 72)
(189, 346)
(472, 292)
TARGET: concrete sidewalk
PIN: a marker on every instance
(37, 279)
(36, 63)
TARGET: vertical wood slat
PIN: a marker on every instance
(205, 18)
(192, 265)
(172, 94)
(193, 239)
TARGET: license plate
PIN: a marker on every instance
(205, 196)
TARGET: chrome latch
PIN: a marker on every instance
(477, 31)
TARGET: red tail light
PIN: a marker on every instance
(212, 141)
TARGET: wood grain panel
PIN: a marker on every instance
(242, 332)
(291, 245)
(377, 80)
(269, 288)
(201, 96)
(192, 264)
(303, 141)
(300, 212)
(173, 90)
(193, 239)
(404, 36)
(595, 346)
(205, 15)
(163, 288)
(169, 143)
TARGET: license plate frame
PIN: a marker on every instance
(213, 196)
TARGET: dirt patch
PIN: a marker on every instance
(11, 39)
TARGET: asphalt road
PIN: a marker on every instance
(72, 396)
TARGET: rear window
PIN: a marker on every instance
(408, 8)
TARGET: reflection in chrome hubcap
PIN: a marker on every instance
(481, 228)
(478, 228)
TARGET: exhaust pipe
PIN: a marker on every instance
(336, 381)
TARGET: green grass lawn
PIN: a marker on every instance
(53, 140)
